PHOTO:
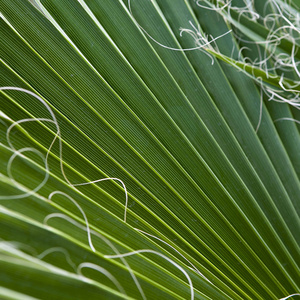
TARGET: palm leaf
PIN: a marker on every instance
(132, 168)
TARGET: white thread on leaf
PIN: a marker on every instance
(289, 296)
(18, 153)
(105, 240)
(58, 249)
(57, 136)
(205, 44)
(164, 257)
(20, 246)
(104, 179)
(193, 267)
(281, 24)
(82, 212)
(102, 271)
(287, 119)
